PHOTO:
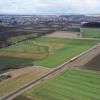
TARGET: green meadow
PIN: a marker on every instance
(47, 52)
(91, 32)
(71, 84)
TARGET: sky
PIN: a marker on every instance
(49, 7)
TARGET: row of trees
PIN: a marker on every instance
(92, 24)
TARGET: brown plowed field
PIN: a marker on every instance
(94, 64)
(64, 34)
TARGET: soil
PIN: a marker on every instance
(64, 34)
(94, 64)
(31, 69)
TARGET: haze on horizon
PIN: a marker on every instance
(49, 7)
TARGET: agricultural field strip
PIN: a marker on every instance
(34, 43)
(22, 38)
(85, 38)
(64, 34)
(79, 55)
(91, 32)
(13, 62)
(49, 47)
(21, 78)
(24, 45)
(69, 37)
(28, 49)
(68, 84)
(55, 70)
(64, 53)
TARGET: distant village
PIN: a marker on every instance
(12, 25)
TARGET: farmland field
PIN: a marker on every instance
(71, 84)
(91, 32)
(13, 62)
(27, 49)
(94, 64)
(21, 38)
(71, 48)
(20, 77)
(48, 52)
(27, 46)
(64, 34)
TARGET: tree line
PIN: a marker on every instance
(91, 24)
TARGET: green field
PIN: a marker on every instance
(27, 46)
(26, 49)
(13, 62)
(48, 52)
(70, 48)
(71, 84)
(91, 32)
(22, 37)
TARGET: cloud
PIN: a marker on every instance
(49, 6)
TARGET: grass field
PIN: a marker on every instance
(91, 32)
(27, 46)
(71, 84)
(27, 49)
(21, 37)
(70, 48)
(48, 52)
(13, 62)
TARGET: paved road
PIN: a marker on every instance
(76, 61)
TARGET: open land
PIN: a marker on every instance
(71, 48)
(71, 84)
(45, 50)
(72, 63)
(16, 39)
(20, 77)
(64, 34)
(52, 52)
(94, 64)
(90, 32)
(13, 62)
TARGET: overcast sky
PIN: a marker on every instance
(49, 6)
